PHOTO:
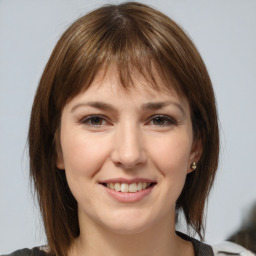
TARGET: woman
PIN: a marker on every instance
(123, 137)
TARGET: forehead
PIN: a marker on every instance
(112, 79)
(140, 89)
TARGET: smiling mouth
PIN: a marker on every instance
(129, 188)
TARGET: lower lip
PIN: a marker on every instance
(128, 197)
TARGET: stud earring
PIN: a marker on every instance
(193, 166)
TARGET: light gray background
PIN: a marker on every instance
(225, 34)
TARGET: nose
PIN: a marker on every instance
(128, 147)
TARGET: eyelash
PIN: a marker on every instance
(88, 120)
(167, 120)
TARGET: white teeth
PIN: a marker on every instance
(133, 187)
(117, 187)
(124, 187)
(139, 186)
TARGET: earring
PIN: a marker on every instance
(193, 166)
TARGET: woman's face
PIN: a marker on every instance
(138, 141)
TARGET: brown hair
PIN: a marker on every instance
(133, 36)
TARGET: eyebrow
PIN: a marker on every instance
(159, 105)
(146, 106)
(95, 104)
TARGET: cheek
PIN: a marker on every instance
(171, 158)
(171, 155)
(83, 158)
(82, 153)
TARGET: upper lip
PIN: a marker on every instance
(127, 181)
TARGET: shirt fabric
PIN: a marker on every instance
(200, 249)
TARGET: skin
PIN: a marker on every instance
(128, 139)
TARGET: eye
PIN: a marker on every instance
(94, 120)
(162, 120)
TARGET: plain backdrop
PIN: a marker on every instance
(224, 32)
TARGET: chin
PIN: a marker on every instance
(128, 224)
(124, 229)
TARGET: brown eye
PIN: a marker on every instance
(162, 120)
(94, 121)
(159, 121)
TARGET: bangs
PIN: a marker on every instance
(102, 40)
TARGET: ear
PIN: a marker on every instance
(195, 154)
(59, 162)
(59, 156)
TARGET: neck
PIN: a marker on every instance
(96, 240)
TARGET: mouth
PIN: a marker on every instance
(128, 188)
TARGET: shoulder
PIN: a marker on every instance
(229, 248)
(37, 251)
(200, 248)
(223, 249)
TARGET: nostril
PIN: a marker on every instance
(128, 155)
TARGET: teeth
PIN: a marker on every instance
(124, 187)
(139, 187)
(112, 185)
(117, 187)
(132, 188)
